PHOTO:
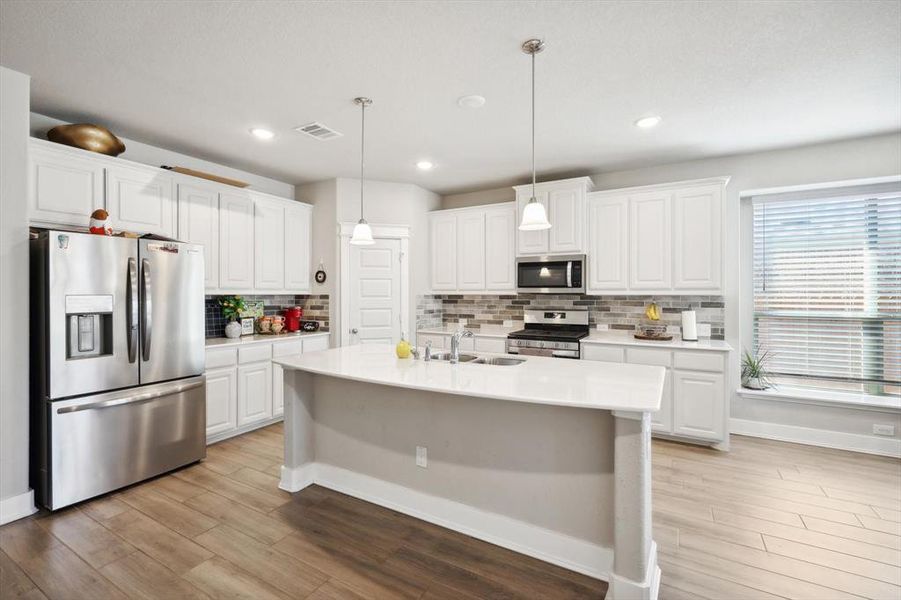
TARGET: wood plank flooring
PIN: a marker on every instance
(768, 520)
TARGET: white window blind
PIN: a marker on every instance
(827, 289)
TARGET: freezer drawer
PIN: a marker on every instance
(106, 441)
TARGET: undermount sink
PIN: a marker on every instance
(446, 356)
(499, 361)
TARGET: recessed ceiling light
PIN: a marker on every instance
(424, 165)
(263, 134)
(648, 122)
(473, 101)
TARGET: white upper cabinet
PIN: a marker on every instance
(564, 201)
(471, 250)
(608, 254)
(141, 200)
(236, 247)
(697, 233)
(269, 244)
(298, 246)
(500, 230)
(198, 223)
(64, 185)
(650, 230)
(443, 243)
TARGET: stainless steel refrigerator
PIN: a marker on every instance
(117, 360)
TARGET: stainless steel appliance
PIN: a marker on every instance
(117, 359)
(550, 332)
(551, 274)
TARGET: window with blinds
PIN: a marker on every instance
(827, 289)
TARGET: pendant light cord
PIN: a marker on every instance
(362, 151)
(533, 126)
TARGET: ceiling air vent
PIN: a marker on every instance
(318, 131)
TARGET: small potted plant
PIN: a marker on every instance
(232, 307)
(754, 373)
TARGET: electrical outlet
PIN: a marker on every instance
(422, 457)
(602, 327)
(704, 330)
(883, 429)
(508, 322)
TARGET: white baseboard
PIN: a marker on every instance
(17, 507)
(626, 589)
(218, 437)
(550, 546)
(854, 442)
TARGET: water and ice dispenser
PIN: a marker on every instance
(89, 326)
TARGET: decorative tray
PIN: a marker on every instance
(654, 337)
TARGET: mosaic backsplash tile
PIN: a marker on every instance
(617, 312)
(315, 308)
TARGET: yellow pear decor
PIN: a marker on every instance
(403, 348)
(652, 312)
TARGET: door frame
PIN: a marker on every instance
(391, 232)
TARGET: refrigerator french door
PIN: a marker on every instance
(118, 392)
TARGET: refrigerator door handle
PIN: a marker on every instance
(131, 304)
(147, 320)
(133, 399)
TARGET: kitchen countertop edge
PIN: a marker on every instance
(223, 342)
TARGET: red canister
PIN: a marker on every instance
(293, 316)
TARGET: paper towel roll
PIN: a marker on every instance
(689, 326)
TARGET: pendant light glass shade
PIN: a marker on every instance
(534, 217)
(362, 234)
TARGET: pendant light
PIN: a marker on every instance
(362, 235)
(534, 216)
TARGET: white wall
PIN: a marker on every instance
(386, 203)
(152, 155)
(15, 495)
(874, 156)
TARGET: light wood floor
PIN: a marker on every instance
(768, 520)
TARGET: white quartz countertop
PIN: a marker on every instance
(222, 342)
(539, 380)
(626, 338)
(495, 331)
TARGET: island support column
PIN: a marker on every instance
(297, 471)
(635, 573)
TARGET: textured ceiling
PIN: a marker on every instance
(726, 77)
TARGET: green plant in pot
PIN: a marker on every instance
(232, 307)
(754, 373)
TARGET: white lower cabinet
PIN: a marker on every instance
(221, 400)
(254, 392)
(693, 406)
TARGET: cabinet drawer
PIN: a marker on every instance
(604, 353)
(222, 357)
(649, 356)
(315, 344)
(254, 353)
(699, 361)
(287, 348)
(486, 344)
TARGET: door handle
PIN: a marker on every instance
(147, 317)
(354, 331)
(131, 308)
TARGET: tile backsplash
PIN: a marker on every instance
(617, 312)
(315, 308)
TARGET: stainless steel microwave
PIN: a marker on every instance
(551, 274)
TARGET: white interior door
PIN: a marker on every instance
(375, 293)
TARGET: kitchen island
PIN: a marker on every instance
(549, 457)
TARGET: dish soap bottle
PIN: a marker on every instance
(403, 347)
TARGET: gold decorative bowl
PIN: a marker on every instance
(87, 137)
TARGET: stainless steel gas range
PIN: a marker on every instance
(550, 332)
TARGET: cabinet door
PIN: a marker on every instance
(650, 229)
(698, 403)
(444, 251)
(198, 223)
(269, 245)
(500, 234)
(697, 238)
(141, 200)
(298, 247)
(530, 242)
(608, 223)
(315, 344)
(221, 401)
(235, 242)
(566, 213)
(278, 390)
(471, 250)
(662, 420)
(254, 392)
(63, 187)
